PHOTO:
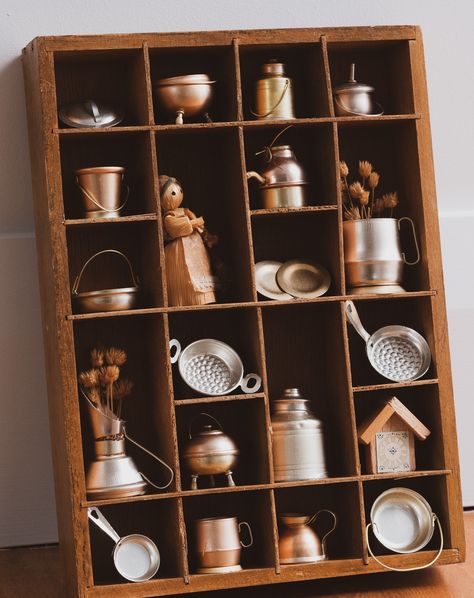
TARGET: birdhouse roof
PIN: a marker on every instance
(367, 430)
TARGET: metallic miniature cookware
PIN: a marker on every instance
(101, 188)
(298, 542)
(373, 257)
(303, 279)
(210, 452)
(212, 367)
(283, 180)
(218, 545)
(116, 299)
(136, 557)
(90, 114)
(274, 93)
(402, 521)
(265, 280)
(397, 352)
(355, 99)
(184, 96)
(297, 439)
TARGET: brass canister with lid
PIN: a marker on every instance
(274, 93)
(298, 442)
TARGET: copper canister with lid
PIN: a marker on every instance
(274, 93)
(298, 441)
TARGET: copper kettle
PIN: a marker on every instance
(298, 542)
(210, 452)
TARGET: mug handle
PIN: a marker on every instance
(414, 239)
(242, 523)
(432, 562)
(249, 388)
(313, 519)
(175, 344)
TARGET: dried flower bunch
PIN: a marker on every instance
(360, 202)
(101, 384)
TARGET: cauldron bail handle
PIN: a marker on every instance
(425, 566)
(154, 457)
(285, 89)
(411, 263)
(97, 203)
(175, 344)
(202, 414)
(313, 519)
(77, 281)
(268, 148)
(244, 385)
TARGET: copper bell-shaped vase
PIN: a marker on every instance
(298, 542)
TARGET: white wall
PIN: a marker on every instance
(26, 496)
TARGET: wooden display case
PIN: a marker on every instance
(305, 343)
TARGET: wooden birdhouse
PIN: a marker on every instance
(389, 438)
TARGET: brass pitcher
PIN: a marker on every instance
(274, 93)
(298, 542)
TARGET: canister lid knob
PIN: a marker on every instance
(273, 68)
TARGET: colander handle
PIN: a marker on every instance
(175, 344)
(417, 259)
(249, 388)
(216, 421)
(354, 319)
(77, 281)
(313, 519)
(91, 198)
(425, 566)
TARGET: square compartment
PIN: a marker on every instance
(306, 235)
(303, 65)
(313, 146)
(216, 62)
(138, 241)
(237, 327)
(342, 499)
(208, 166)
(115, 77)
(132, 151)
(139, 518)
(384, 65)
(374, 314)
(148, 411)
(392, 149)
(253, 507)
(244, 422)
(303, 346)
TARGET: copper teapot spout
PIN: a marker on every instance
(251, 174)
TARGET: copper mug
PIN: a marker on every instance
(218, 544)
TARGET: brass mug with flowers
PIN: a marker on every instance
(373, 257)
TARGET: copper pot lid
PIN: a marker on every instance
(353, 86)
(197, 79)
(90, 113)
(265, 279)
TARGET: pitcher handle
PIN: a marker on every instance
(354, 319)
(216, 421)
(414, 239)
(154, 457)
(313, 519)
(96, 516)
(242, 523)
(91, 198)
(425, 566)
(175, 344)
(249, 388)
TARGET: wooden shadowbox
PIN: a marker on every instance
(293, 343)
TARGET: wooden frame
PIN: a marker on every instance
(307, 339)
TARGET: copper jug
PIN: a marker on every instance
(298, 542)
(274, 93)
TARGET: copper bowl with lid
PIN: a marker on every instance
(186, 95)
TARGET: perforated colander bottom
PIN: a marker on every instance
(397, 358)
(208, 373)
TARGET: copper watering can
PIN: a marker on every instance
(298, 542)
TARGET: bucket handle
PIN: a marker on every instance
(216, 421)
(285, 89)
(412, 263)
(425, 566)
(249, 529)
(91, 198)
(77, 281)
(313, 519)
(154, 457)
(341, 105)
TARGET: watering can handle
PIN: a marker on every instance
(96, 516)
(425, 566)
(75, 286)
(91, 198)
(313, 519)
(285, 89)
(154, 457)
(190, 430)
(412, 263)
(354, 319)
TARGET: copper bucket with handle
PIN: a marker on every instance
(101, 189)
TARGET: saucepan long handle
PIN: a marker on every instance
(354, 319)
(96, 516)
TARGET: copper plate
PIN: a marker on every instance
(265, 278)
(303, 279)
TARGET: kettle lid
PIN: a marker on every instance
(353, 86)
(89, 113)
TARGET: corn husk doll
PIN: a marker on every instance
(189, 275)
